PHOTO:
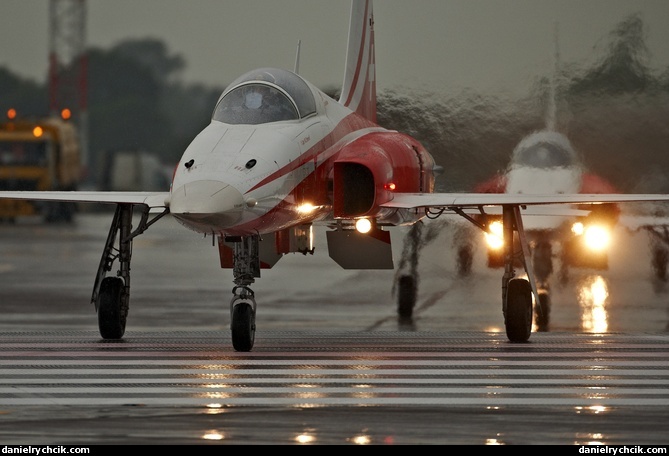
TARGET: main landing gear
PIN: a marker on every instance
(517, 302)
(542, 262)
(111, 295)
(659, 251)
(406, 284)
(516, 293)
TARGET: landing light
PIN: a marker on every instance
(495, 235)
(597, 237)
(306, 208)
(363, 225)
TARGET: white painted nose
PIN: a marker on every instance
(207, 205)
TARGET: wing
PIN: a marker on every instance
(472, 200)
(151, 199)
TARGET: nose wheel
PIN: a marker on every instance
(243, 319)
(246, 268)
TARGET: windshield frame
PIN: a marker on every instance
(255, 103)
(290, 84)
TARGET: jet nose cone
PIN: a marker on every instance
(207, 205)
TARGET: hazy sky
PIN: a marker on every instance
(483, 44)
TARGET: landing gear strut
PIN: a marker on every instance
(659, 246)
(542, 262)
(246, 268)
(516, 293)
(111, 295)
(407, 283)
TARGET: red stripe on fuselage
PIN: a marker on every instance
(282, 215)
(349, 124)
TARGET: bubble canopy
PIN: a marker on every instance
(265, 95)
(545, 149)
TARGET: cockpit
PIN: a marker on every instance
(265, 95)
(545, 150)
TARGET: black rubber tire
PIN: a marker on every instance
(406, 296)
(243, 327)
(111, 318)
(518, 315)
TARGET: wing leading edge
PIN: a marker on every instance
(469, 200)
(151, 199)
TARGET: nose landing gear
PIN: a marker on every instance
(243, 318)
(246, 268)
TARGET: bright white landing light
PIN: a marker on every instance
(495, 236)
(597, 237)
(363, 225)
(306, 208)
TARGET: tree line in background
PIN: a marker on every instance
(616, 113)
(135, 100)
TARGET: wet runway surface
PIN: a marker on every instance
(331, 363)
(69, 387)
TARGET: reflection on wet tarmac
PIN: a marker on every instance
(592, 298)
(592, 439)
(361, 440)
(494, 441)
(213, 435)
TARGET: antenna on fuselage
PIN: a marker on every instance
(297, 57)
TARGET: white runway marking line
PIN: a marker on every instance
(616, 372)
